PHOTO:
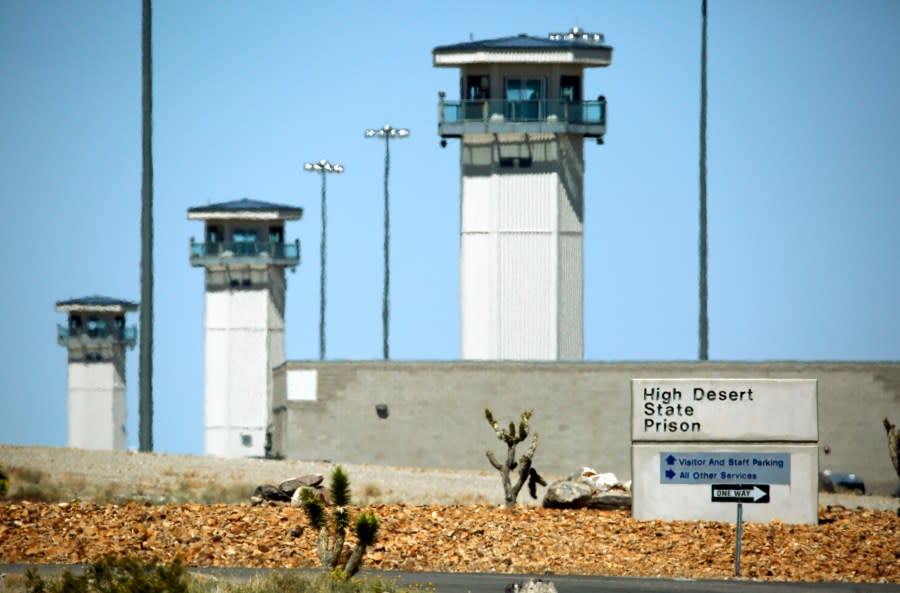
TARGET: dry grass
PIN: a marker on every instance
(33, 485)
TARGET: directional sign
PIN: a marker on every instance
(724, 467)
(740, 493)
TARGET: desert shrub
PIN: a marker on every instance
(321, 583)
(134, 576)
(226, 494)
(114, 575)
(27, 475)
(4, 482)
(36, 493)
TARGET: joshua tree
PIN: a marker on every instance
(331, 537)
(893, 436)
(526, 472)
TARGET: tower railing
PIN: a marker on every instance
(66, 335)
(507, 115)
(224, 252)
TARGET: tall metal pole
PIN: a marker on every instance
(385, 307)
(145, 407)
(322, 167)
(704, 314)
(387, 132)
(322, 278)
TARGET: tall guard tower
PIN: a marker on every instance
(245, 254)
(96, 336)
(521, 119)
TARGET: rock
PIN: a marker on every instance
(310, 480)
(588, 488)
(531, 586)
(567, 495)
(284, 492)
(609, 502)
(269, 492)
(603, 482)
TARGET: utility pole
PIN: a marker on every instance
(704, 306)
(145, 432)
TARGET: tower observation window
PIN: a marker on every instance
(524, 98)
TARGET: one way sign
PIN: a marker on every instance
(740, 493)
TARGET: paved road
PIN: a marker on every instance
(444, 582)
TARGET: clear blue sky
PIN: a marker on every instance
(804, 175)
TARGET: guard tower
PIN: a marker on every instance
(245, 254)
(96, 336)
(521, 119)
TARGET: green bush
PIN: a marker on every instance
(114, 575)
(4, 482)
(134, 576)
(322, 583)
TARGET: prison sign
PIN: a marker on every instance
(723, 409)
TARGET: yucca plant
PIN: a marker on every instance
(332, 533)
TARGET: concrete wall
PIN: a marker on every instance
(581, 411)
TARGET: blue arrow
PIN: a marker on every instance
(670, 474)
(670, 460)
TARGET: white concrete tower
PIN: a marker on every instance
(245, 254)
(521, 119)
(96, 336)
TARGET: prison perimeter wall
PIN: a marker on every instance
(431, 414)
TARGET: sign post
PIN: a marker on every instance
(739, 528)
(740, 493)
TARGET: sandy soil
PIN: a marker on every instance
(158, 477)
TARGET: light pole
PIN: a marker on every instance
(322, 167)
(387, 132)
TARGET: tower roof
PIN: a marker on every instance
(96, 304)
(245, 208)
(575, 47)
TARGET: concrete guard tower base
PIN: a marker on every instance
(521, 119)
(244, 254)
(96, 337)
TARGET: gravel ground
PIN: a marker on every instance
(431, 520)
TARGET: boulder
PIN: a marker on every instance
(284, 492)
(531, 586)
(608, 501)
(309, 480)
(591, 489)
(567, 495)
(600, 482)
(270, 492)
